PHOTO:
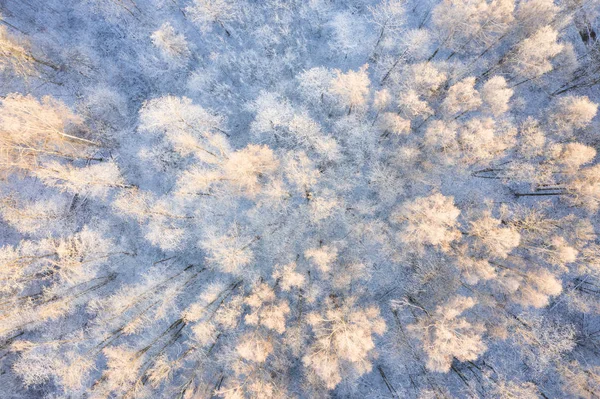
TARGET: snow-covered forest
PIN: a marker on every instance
(299, 199)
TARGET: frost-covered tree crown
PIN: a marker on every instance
(299, 199)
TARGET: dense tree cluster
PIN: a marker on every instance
(299, 199)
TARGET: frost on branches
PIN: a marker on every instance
(299, 199)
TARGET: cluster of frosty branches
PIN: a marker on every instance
(299, 199)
